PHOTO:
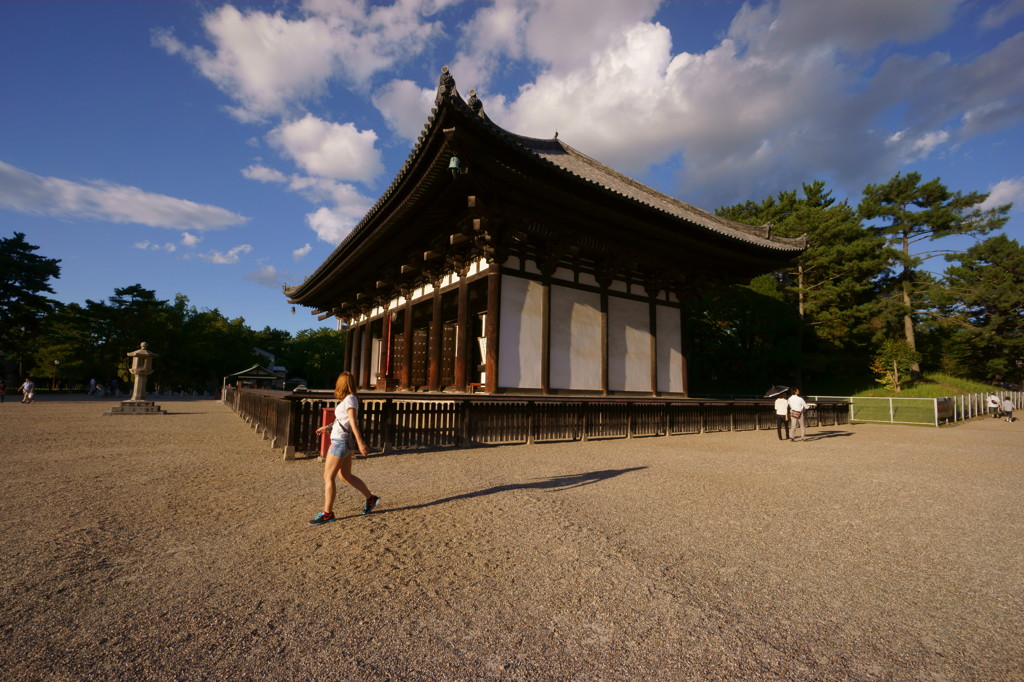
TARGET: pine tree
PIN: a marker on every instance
(833, 283)
(911, 212)
(24, 279)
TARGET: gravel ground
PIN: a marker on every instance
(176, 547)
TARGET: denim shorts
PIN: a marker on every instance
(340, 448)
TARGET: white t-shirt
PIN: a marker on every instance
(797, 404)
(993, 401)
(339, 430)
(781, 406)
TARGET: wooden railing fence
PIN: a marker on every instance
(401, 421)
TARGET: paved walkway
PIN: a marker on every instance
(177, 547)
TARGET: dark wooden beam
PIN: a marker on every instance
(462, 354)
(604, 340)
(406, 378)
(654, 346)
(493, 327)
(545, 337)
(434, 361)
(367, 353)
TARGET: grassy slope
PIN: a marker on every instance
(934, 385)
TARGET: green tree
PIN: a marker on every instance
(24, 279)
(893, 362)
(833, 284)
(911, 212)
(316, 355)
(984, 310)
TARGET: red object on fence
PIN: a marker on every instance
(325, 437)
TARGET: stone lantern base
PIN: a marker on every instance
(136, 407)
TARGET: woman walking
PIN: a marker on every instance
(345, 436)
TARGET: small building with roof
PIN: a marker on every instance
(501, 263)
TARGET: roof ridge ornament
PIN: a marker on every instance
(446, 86)
(474, 103)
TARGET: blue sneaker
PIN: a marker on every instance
(370, 504)
(321, 518)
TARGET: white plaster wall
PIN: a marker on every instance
(629, 345)
(375, 344)
(575, 339)
(520, 332)
(670, 350)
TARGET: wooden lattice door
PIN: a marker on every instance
(448, 336)
(418, 375)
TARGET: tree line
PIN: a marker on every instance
(73, 343)
(861, 299)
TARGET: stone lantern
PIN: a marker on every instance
(142, 367)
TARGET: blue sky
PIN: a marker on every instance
(220, 150)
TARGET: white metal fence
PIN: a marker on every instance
(923, 411)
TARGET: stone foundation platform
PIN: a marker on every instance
(136, 407)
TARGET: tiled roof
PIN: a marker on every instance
(582, 166)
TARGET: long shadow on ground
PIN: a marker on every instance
(553, 484)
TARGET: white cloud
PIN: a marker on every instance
(405, 106)
(785, 96)
(331, 222)
(100, 200)
(300, 253)
(146, 245)
(269, 63)
(265, 275)
(1006, 191)
(263, 174)
(561, 35)
(999, 13)
(331, 150)
(189, 239)
(232, 256)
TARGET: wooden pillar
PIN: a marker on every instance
(684, 343)
(406, 379)
(357, 338)
(493, 327)
(349, 341)
(365, 369)
(462, 353)
(385, 350)
(434, 363)
(654, 346)
(545, 337)
(604, 341)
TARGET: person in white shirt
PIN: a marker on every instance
(1008, 409)
(797, 407)
(993, 405)
(782, 415)
(28, 390)
(345, 438)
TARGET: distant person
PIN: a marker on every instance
(782, 416)
(345, 435)
(112, 386)
(993, 405)
(28, 391)
(92, 386)
(797, 407)
(1008, 409)
(3, 391)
